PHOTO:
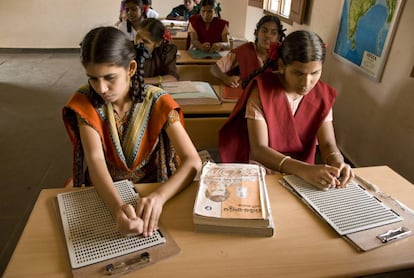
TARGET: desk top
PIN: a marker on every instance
(179, 35)
(302, 244)
(224, 108)
(186, 58)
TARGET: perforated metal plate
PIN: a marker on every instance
(90, 230)
(347, 210)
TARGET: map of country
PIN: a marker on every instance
(364, 28)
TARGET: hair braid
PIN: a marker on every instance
(267, 64)
(138, 92)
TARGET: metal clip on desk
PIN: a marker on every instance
(394, 234)
(127, 265)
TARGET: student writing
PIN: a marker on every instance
(281, 116)
(121, 128)
(184, 11)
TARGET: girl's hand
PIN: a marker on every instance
(205, 47)
(322, 176)
(232, 81)
(215, 48)
(149, 209)
(346, 174)
(127, 221)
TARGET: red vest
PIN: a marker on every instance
(213, 33)
(247, 59)
(288, 134)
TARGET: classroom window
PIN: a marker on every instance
(280, 7)
(288, 11)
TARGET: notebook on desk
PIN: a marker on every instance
(363, 218)
(91, 235)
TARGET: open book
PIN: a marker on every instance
(192, 92)
(232, 197)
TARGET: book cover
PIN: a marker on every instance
(230, 94)
(232, 195)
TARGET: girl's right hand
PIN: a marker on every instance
(127, 221)
(321, 176)
(232, 81)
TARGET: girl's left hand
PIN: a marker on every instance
(149, 209)
(346, 174)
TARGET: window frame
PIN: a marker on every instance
(298, 10)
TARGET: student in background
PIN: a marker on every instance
(121, 128)
(135, 15)
(184, 11)
(283, 115)
(149, 11)
(240, 62)
(122, 15)
(161, 65)
(208, 32)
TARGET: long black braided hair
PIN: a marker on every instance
(109, 45)
(302, 46)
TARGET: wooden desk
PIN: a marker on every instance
(303, 245)
(179, 38)
(194, 69)
(203, 122)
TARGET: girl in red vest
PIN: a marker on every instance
(240, 62)
(283, 115)
(208, 32)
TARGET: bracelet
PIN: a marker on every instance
(332, 154)
(283, 161)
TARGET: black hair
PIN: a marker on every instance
(155, 27)
(271, 18)
(109, 45)
(216, 6)
(302, 46)
(140, 5)
(147, 2)
(157, 30)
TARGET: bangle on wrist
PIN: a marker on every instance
(331, 155)
(283, 161)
